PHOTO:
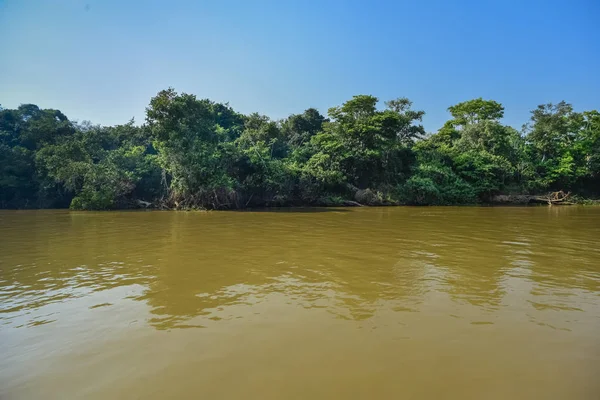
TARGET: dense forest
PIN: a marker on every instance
(192, 153)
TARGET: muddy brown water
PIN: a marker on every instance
(358, 303)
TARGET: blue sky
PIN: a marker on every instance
(102, 60)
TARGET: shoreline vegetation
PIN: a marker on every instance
(193, 153)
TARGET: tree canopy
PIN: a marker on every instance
(195, 153)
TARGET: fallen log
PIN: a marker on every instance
(143, 203)
(350, 203)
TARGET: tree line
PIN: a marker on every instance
(196, 153)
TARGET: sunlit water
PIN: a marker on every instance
(370, 303)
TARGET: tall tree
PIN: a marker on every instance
(189, 144)
(368, 147)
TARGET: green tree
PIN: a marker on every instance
(552, 134)
(475, 111)
(363, 146)
(266, 178)
(190, 148)
(477, 147)
(101, 167)
(300, 128)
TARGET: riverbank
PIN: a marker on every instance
(197, 154)
(337, 201)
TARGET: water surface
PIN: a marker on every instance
(363, 303)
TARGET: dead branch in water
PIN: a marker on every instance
(555, 198)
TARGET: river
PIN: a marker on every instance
(357, 303)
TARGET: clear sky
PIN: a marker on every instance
(102, 60)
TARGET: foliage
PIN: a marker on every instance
(363, 146)
(433, 184)
(101, 167)
(195, 153)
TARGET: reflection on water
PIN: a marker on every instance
(348, 303)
